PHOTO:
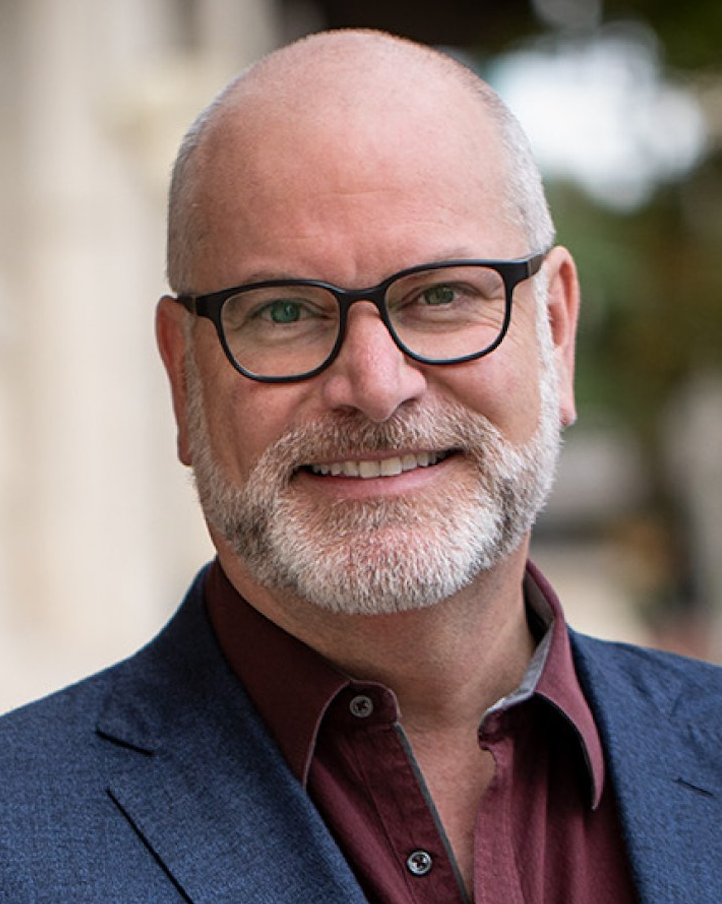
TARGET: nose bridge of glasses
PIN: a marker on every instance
(370, 301)
(373, 295)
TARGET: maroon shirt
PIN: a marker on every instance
(547, 828)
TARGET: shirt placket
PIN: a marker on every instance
(393, 783)
(496, 873)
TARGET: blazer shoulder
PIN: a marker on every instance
(56, 719)
(63, 721)
(667, 682)
(160, 762)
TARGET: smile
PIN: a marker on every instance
(368, 469)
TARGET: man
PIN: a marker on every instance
(370, 695)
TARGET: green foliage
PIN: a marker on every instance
(651, 294)
(691, 33)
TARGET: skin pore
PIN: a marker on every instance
(318, 165)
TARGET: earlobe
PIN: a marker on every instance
(563, 307)
(171, 336)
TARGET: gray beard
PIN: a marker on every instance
(379, 555)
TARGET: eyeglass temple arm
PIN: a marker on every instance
(188, 302)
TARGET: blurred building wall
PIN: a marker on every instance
(99, 530)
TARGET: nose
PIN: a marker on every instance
(371, 374)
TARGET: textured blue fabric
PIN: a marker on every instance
(156, 782)
(660, 720)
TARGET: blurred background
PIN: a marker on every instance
(99, 529)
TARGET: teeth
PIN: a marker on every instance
(390, 467)
(368, 469)
(408, 462)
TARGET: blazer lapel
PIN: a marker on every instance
(200, 781)
(662, 732)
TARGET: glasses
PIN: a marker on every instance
(285, 330)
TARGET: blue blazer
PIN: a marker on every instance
(156, 782)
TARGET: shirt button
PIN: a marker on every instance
(361, 706)
(419, 863)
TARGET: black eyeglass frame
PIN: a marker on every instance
(512, 273)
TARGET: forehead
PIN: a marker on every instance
(348, 156)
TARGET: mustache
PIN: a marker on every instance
(441, 427)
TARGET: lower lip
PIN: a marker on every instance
(359, 487)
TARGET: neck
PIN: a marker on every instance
(446, 664)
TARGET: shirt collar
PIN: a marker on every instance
(292, 686)
(554, 678)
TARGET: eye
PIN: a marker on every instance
(283, 311)
(438, 295)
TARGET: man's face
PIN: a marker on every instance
(380, 484)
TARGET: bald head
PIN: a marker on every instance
(341, 107)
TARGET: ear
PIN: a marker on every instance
(563, 307)
(172, 341)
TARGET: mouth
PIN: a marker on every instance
(371, 468)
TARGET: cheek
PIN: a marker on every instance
(503, 387)
(245, 418)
